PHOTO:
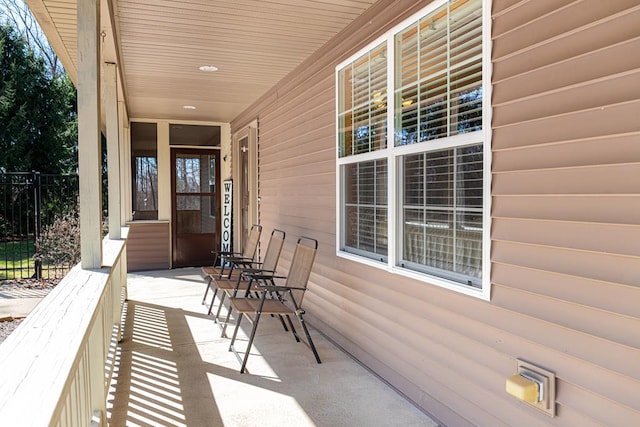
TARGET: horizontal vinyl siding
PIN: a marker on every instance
(566, 189)
(570, 207)
(148, 246)
(565, 253)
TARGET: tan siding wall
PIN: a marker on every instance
(566, 195)
(566, 222)
(148, 246)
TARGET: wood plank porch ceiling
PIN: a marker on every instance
(161, 44)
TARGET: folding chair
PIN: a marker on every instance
(230, 286)
(229, 260)
(287, 301)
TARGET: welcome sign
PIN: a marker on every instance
(226, 215)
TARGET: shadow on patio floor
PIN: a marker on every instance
(175, 369)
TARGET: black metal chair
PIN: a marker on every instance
(225, 262)
(286, 300)
(230, 286)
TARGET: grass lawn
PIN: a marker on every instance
(16, 255)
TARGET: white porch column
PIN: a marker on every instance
(113, 147)
(89, 155)
(125, 168)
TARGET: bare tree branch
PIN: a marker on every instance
(17, 14)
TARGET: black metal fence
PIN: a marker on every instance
(29, 202)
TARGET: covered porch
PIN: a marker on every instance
(173, 368)
(157, 359)
(551, 102)
(109, 348)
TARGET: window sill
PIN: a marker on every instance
(481, 293)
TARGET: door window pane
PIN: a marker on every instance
(191, 218)
(195, 203)
(188, 175)
(212, 185)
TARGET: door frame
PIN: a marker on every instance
(250, 132)
(173, 151)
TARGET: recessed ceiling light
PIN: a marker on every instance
(189, 107)
(209, 68)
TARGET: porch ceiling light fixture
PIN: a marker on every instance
(208, 68)
(189, 107)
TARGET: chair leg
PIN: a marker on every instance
(226, 322)
(293, 330)
(250, 343)
(235, 332)
(206, 291)
(222, 295)
(223, 334)
(213, 299)
(275, 295)
(309, 340)
(284, 325)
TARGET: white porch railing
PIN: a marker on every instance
(56, 366)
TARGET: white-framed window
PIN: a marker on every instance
(362, 118)
(365, 208)
(413, 138)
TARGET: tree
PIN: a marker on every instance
(17, 14)
(38, 115)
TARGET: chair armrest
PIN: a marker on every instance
(252, 271)
(226, 253)
(263, 275)
(238, 259)
(221, 256)
(280, 288)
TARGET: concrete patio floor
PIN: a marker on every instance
(175, 369)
